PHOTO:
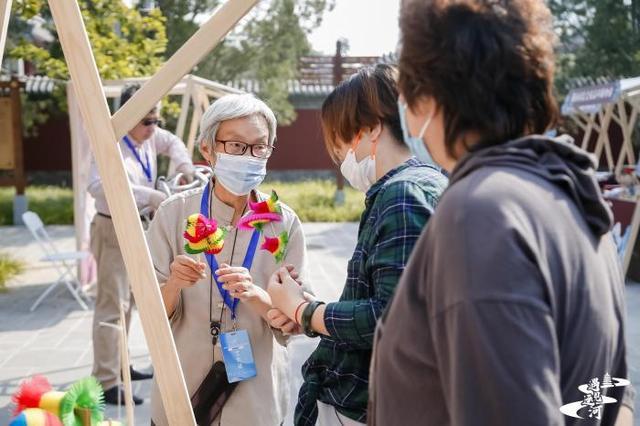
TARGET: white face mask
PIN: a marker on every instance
(361, 175)
(415, 143)
(239, 174)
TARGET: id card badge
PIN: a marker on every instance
(237, 355)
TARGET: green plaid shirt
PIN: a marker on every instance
(397, 209)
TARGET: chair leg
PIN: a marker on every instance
(76, 296)
(43, 295)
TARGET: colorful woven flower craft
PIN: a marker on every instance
(262, 213)
(276, 245)
(203, 235)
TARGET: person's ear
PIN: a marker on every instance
(375, 133)
(207, 152)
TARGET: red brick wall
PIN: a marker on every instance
(300, 145)
(50, 150)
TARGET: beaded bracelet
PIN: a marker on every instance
(307, 314)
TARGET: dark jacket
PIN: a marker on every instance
(512, 299)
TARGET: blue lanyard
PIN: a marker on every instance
(147, 169)
(232, 303)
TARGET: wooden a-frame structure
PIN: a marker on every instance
(104, 131)
(594, 109)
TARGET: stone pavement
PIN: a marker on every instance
(55, 340)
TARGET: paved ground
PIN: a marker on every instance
(55, 340)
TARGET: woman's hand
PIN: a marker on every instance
(282, 322)
(286, 293)
(238, 282)
(185, 272)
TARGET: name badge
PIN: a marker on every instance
(237, 355)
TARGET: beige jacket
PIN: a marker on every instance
(262, 400)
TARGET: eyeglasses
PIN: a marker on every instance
(151, 122)
(259, 150)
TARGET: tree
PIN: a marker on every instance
(265, 47)
(598, 38)
(125, 42)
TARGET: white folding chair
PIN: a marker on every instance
(63, 262)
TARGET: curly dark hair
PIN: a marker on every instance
(366, 99)
(488, 64)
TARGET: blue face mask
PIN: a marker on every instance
(239, 174)
(415, 144)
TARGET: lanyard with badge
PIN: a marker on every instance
(235, 344)
(146, 169)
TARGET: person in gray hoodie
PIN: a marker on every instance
(513, 297)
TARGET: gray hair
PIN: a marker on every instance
(233, 106)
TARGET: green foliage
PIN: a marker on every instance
(312, 200)
(265, 47)
(125, 42)
(53, 204)
(597, 38)
(9, 268)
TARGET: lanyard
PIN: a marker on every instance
(231, 302)
(147, 169)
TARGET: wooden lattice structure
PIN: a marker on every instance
(594, 109)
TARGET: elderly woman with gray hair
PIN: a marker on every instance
(217, 304)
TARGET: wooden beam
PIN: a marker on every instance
(95, 113)
(124, 368)
(79, 191)
(626, 150)
(215, 86)
(20, 175)
(193, 128)
(5, 15)
(633, 234)
(184, 108)
(603, 137)
(200, 43)
(590, 120)
(203, 98)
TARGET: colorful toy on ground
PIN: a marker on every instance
(83, 401)
(203, 235)
(36, 403)
(35, 417)
(276, 245)
(262, 213)
(29, 393)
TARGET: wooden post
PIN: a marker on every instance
(124, 365)
(19, 175)
(5, 15)
(337, 78)
(603, 137)
(587, 133)
(185, 58)
(95, 112)
(195, 121)
(626, 125)
(184, 108)
(633, 235)
(79, 185)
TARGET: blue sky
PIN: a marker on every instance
(371, 26)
